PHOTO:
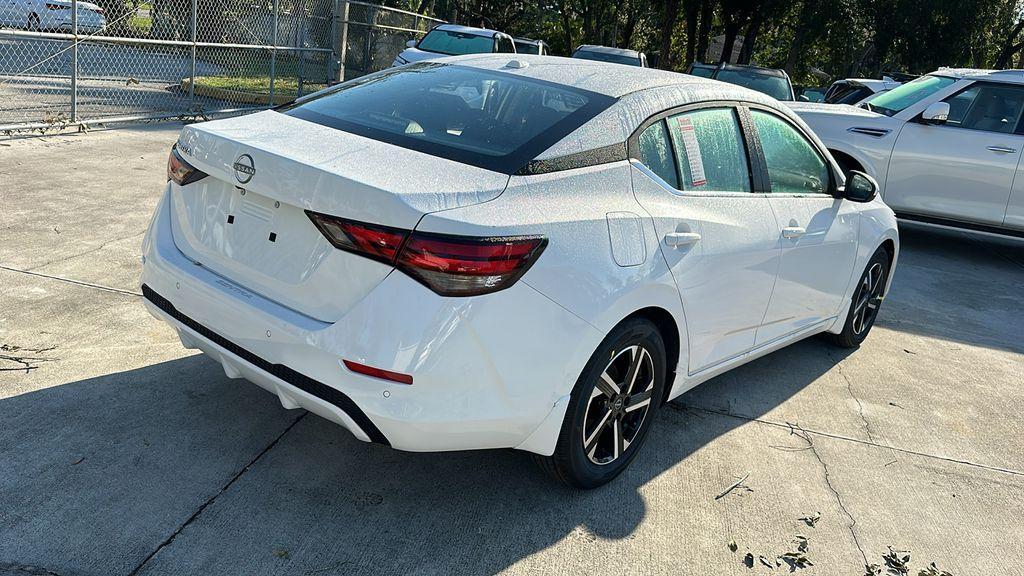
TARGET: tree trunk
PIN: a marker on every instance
(799, 36)
(669, 14)
(704, 30)
(1009, 48)
(690, 13)
(567, 26)
(750, 37)
(731, 28)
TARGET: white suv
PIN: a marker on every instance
(945, 148)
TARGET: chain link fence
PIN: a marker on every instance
(162, 59)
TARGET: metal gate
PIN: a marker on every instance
(163, 59)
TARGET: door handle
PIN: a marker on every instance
(1002, 149)
(681, 239)
(793, 231)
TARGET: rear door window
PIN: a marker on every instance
(709, 150)
(493, 120)
(655, 150)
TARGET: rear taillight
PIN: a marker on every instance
(57, 7)
(377, 242)
(448, 265)
(181, 171)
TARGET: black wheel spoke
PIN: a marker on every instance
(590, 441)
(607, 386)
(634, 368)
(639, 400)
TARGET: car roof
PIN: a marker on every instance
(605, 78)
(467, 30)
(607, 50)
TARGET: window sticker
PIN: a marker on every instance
(693, 156)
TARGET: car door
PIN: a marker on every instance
(691, 172)
(961, 170)
(817, 232)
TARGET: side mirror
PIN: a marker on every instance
(936, 113)
(410, 43)
(860, 187)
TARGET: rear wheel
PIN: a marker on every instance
(611, 408)
(866, 301)
(33, 22)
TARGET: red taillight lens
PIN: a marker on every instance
(448, 265)
(461, 266)
(377, 242)
(57, 7)
(181, 171)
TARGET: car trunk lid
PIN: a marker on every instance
(246, 220)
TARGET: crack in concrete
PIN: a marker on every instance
(195, 515)
(839, 499)
(70, 281)
(89, 251)
(786, 426)
(849, 388)
(6, 567)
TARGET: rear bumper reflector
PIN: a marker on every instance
(322, 391)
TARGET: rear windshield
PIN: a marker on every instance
(455, 43)
(775, 86)
(493, 120)
(527, 47)
(606, 57)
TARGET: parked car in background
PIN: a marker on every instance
(609, 54)
(857, 90)
(528, 46)
(702, 70)
(455, 40)
(51, 15)
(809, 93)
(945, 148)
(446, 313)
(771, 81)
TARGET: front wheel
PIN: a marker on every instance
(33, 22)
(866, 301)
(611, 408)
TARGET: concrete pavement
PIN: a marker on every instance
(122, 453)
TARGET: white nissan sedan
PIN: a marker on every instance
(511, 252)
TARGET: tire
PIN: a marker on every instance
(600, 413)
(865, 303)
(33, 22)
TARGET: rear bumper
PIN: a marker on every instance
(489, 372)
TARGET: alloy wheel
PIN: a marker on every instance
(618, 405)
(868, 299)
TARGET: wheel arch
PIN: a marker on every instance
(668, 327)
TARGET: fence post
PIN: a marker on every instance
(340, 42)
(192, 84)
(74, 61)
(273, 52)
(297, 22)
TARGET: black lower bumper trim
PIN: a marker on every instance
(301, 381)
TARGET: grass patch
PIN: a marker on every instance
(258, 85)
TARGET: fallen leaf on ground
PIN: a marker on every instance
(811, 520)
